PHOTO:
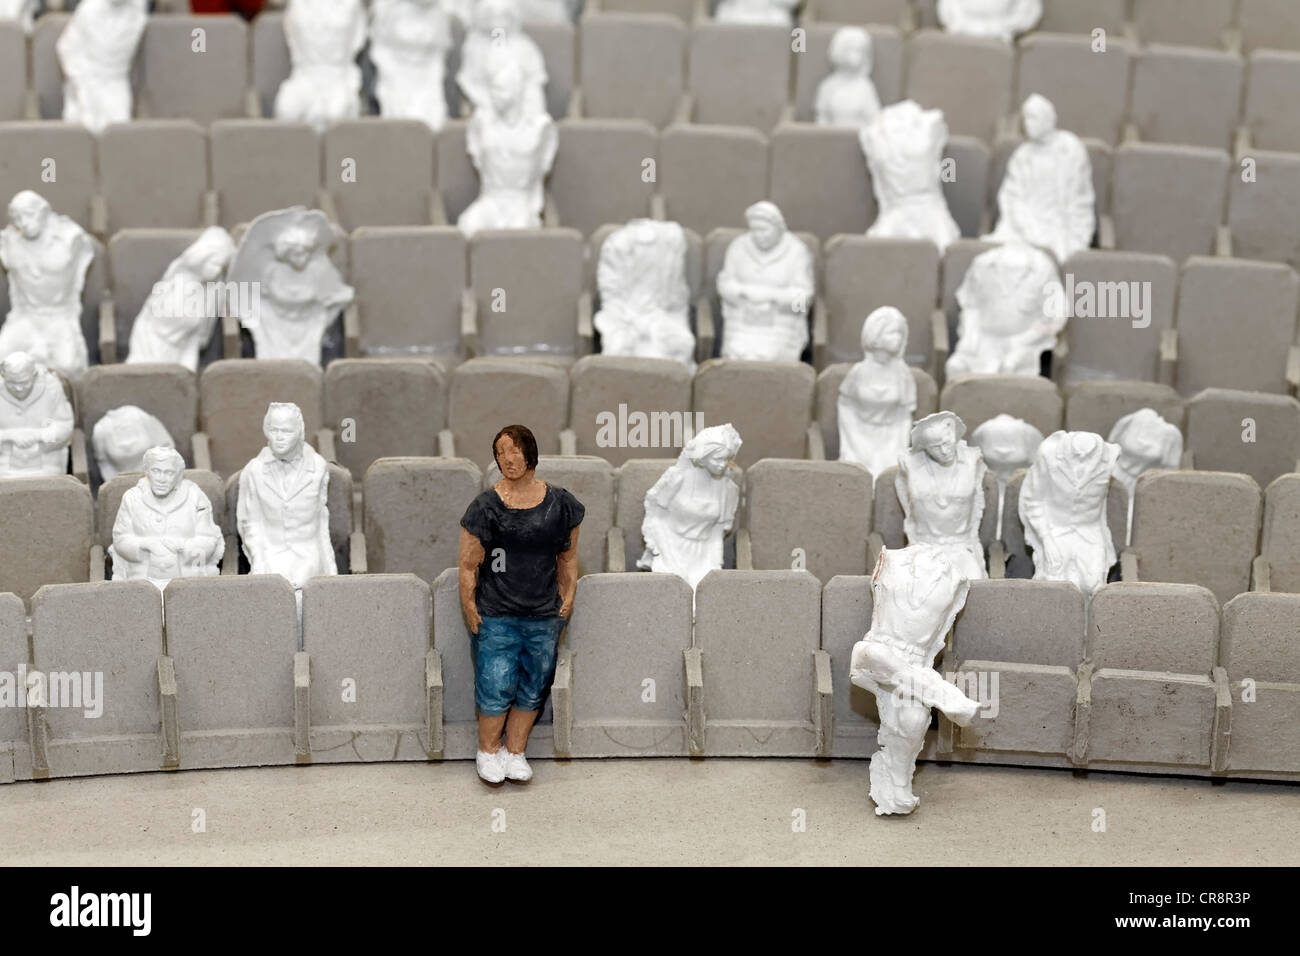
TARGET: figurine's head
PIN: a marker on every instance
(515, 450)
(938, 436)
(713, 449)
(284, 429)
(850, 49)
(296, 245)
(1039, 116)
(163, 467)
(766, 224)
(502, 16)
(1147, 441)
(209, 255)
(505, 84)
(122, 436)
(1007, 443)
(29, 212)
(19, 372)
(885, 332)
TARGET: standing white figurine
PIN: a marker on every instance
(1145, 441)
(164, 527)
(775, 12)
(409, 40)
(1063, 509)
(324, 38)
(95, 51)
(121, 437)
(178, 318)
(498, 36)
(903, 146)
(878, 395)
(35, 420)
(1002, 19)
(512, 149)
(286, 253)
(1006, 444)
(1046, 197)
(940, 484)
(644, 297)
(1012, 310)
(691, 507)
(916, 594)
(46, 255)
(766, 286)
(847, 97)
(19, 11)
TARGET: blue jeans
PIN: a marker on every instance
(514, 662)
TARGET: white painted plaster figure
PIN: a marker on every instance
(847, 97)
(903, 146)
(324, 38)
(121, 437)
(644, 296)
(95, 51)
(409, 40)
(1001, 19)
(1146, 441)
(497, 36)
(877, 398)
(1006, 444)
(35, 420)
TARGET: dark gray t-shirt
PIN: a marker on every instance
(518, 575)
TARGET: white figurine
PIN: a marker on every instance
(1006, 444)
(1063, 509)
(286, 253)
(35, 420)
(324, 38)
(283, 512)
(122, 436)
(498, 37)
(178, 318)
(847, 97)
(164, 527)
(20, 11)
(903, 146)
(1145, 441)
(1011, 304)
(691, 507)
(1002, 19)
(46, 255)
(766, 286)
(774, 12)
(409, 40)
(916, 592)
(940, 484)
(1046, 197)
(644, 297)
(95, 51)
(513, 150)
(878, 396)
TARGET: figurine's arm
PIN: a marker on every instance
(323, 541)
(904, 497)
(131, 546)
(474, 138)
(566, 573)
(249, 518)
(977, 499)
(549, 145)
(56, 431)
(468, 560)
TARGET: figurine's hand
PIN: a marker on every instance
(473, 619)
(154, 546)
(194, 552)
(566, 609)
(174, 543)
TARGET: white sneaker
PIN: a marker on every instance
(516, 766)
(491, 766)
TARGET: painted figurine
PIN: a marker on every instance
(35, 420)
(878, 396)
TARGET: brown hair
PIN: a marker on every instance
(523, 440)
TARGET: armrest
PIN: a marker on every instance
(1221, 735)
(875, 544)
(302, 706)
(615, 556)
(693, 660)
(171, 731)
(575, 104)
(325, 199)
(820, 334)
(568, 442)
(468, 322)
(202, 451)
(997, 560)
(433, 699)
(252, 104)
(816, 445)
(787, 115)
(1243, 144)
(685, 108)
(1131, 133)
(229, 336)
(230, 560)
(80, 464)
(1168, 371)
(325, 444)
(352, 331)
(211, 208)
(562, 705)
(823, 703)
(107, 331)
(99, 216)
(1188, 461)
(939, 345)
(437, 209)
(1260, 574)
(1082, 715)
(586, 334)
(1060, 353)
(705, 331)
(550, 211)
(1223, 242)
(446, 444)
(1293, 369)
(744, 551)
(1106, 232)
(1007, 127)
(31, 106)
(1128, 565)
(658, 208)
(357, 553)
(96, 563)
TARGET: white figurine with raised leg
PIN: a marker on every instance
(324, 38)
(35, 420)
(847, 97)
(903, 146)
(95, 51)
(409, 40)
(498, 36)
(1146, 441)
(878, 395)
(1001, 19)
(645, 307)
(121, 437)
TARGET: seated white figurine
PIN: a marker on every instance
(847, 97)
(181, 313)
(691, 507)
(283, 512)
(286, 253)
(498, 36)
(1063, 509)
(1046, 197)
(19, 11)
(878, 395)
(1002, 19)
(324, 38)
(409, 40)
(940, 484)
(903, 146)
(122, 436)
(1006, 444)
(164, 527)
(46, 255)
(644, 297)
(916, 593)
(513, 150)
(766, 286)
(95, 51)
(1011, 303)
(775, 12)
(1146, 441)
(35, 420)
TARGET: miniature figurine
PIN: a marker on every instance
(775, 12)
(179, 317)
(644, 297)
(1063, 509)
(940, 484)
(20, 11)
(766, 286)
(95, 51)
(46, 256)
(1012, 309)
(35, 420)
(1046, 197)
(917, 592)
(847, 97)
(164, 527)
(324, 37)
(1146, 441)
(903, 146)
(121, 437)
(878, 396)
(1006, 444)
(1001, 19)
(691, 507)
(409, 40)
(518, 572)
(498, 37)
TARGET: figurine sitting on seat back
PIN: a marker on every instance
(645, 301)
(324, 38)
(95, 51)
(35, 420)
(774, 12)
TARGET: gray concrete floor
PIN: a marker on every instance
(646, 812)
